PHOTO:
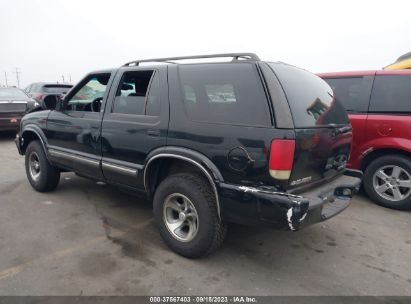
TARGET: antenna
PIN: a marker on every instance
(17, 72)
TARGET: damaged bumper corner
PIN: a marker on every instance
(288, 211)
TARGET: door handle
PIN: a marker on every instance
(153, 133)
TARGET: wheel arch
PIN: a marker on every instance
(374, 154)
(162, 162)
(31, 133)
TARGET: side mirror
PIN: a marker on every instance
(33, 106)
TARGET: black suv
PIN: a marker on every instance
(242, 141)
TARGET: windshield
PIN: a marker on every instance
(311, 99)
(12, 94)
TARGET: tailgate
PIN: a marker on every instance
(322, 131)
(320, 153)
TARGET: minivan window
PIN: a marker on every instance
(391, 94)
(352, 92)
(224, 93)
(311, 99)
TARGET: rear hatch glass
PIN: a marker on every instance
(322, 129)
(56, 88)
(310, 98)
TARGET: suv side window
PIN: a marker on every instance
(352, 92)
(132, 95)
(224, 93)
(391, 94)
(93, 87)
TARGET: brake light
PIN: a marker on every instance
(281, 158)
(39, 97)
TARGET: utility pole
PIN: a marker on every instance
(17, 72)
(62, 77)
(5, 76)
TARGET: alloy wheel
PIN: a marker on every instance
(34, 166)
(180, 217)
(392, 182)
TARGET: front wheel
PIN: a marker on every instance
(387, 181)
(42, 176)
(186, 214)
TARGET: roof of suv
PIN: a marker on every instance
(364, 73)
(235, 56)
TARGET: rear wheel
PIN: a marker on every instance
(42, 176)
(186, 214)
(387, 180)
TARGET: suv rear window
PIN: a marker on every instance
(311, 99)
(224, 93)
(391, 94)
(55, 88)
(352, 92)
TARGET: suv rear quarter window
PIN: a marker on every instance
(352, 92)
(391, 94)
(224, 93)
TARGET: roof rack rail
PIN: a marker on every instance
(236, 56)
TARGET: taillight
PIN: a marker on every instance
(281, 158)
(39, 97)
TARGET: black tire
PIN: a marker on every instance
(48, 176)
(211, 230)
(381, 162)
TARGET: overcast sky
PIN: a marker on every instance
(50, 38)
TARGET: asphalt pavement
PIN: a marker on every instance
(88, 238)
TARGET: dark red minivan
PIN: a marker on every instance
(379, 107)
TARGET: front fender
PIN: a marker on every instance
(32, 127)
(29, 133)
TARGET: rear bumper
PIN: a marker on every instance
(285, 211)
(10, 123)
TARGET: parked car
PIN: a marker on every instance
(210, 143)
(14, 104)
(379, 107)
(47, 94)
